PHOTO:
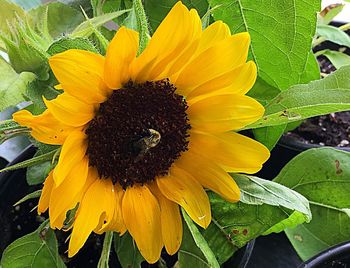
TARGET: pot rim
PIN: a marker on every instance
(292, 143)
(327, 255)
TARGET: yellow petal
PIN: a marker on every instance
(66, 196)
(96, 203)
(232, 151)
(120, 53)
(237, 81)
(213, 34)
(45, 127)
(117, 223)
(177, 31)
(70, 111)
(181, 54)
(215, 61)
(171, 222)
(141, 215)
(45, 194)
(219, 113)
(72, 152)
(80, 73)
(209, 175)
(180, 187)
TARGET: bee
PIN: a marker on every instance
(148, 141)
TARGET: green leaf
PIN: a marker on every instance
(338, 59)
(57, 24)
(32, 195)
(322, 176)
(13, 85)
(256, 191)
(127, 251)
(66, 43)
(331, 94)
(264, 208)
(333, 34)
(35, 92)
(185, 259)
(156, 12)
(85, 29)
(263, 92)
(38, 173)
(269, 136)
(282, 28)
(37, 249)
(9, 11)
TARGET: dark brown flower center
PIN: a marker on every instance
(138, 132)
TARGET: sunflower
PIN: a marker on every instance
(143, 135)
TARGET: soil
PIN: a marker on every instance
(332, 129)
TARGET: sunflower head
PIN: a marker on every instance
(143, 135)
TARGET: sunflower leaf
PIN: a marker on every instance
(265, 207)
(66, 43)
(127, 251)
(326, 184)
(331, 94)
(50, 15)
(9, 11)
(13, 85)
(194, 249)
(257, 191)
(333, 34)
(338, 59)
(37, 249)
(287, 34)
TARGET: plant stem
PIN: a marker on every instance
(107, 243)
(142, 25)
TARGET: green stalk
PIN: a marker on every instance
(142, 25)
(107, 243)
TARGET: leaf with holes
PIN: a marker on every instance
(265, 207)
(323, 176)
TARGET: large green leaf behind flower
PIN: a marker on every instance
(281, 35)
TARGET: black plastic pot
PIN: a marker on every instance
(13, 187)
(334, 257)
